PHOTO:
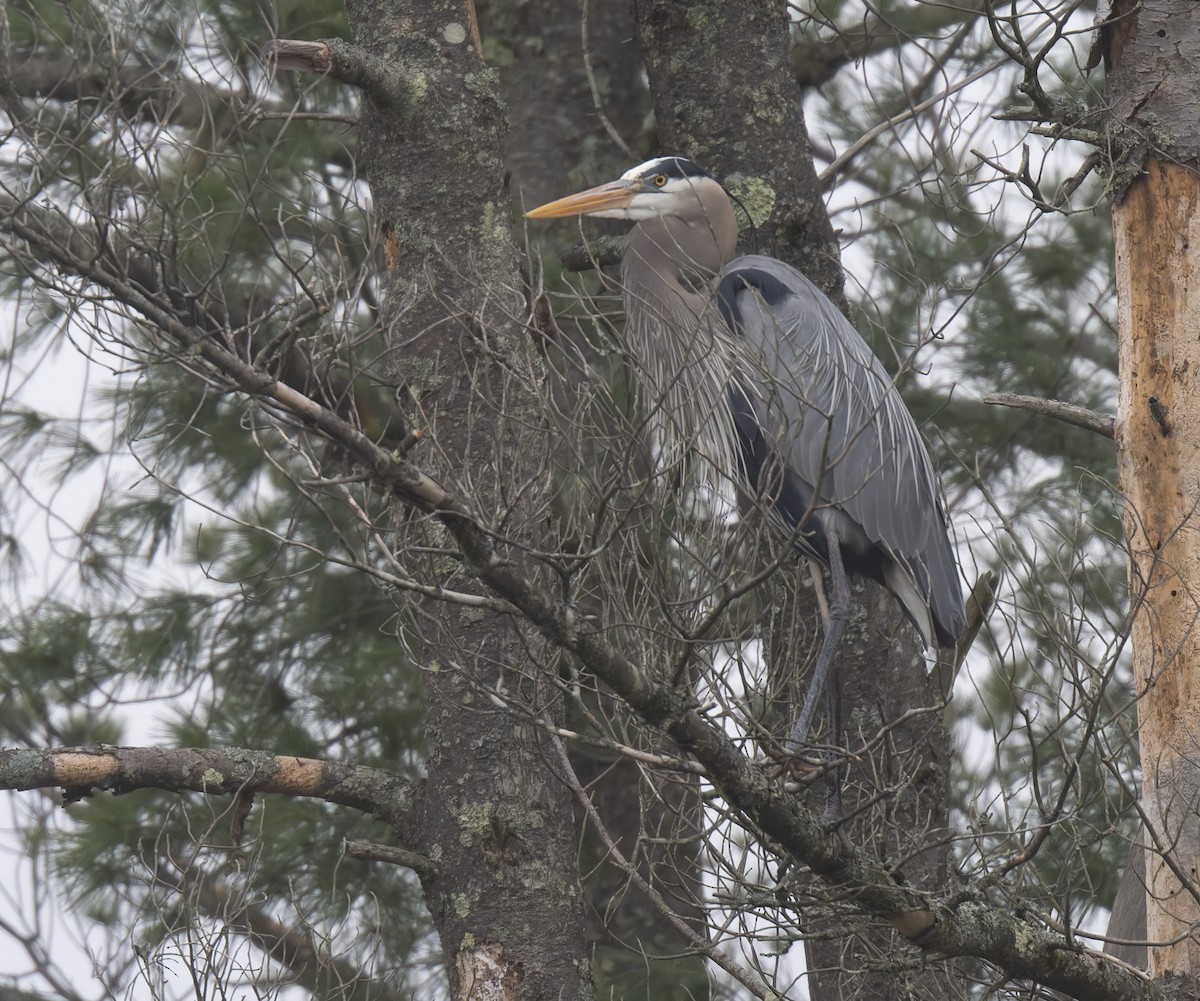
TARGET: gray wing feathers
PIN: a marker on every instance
(837, 417)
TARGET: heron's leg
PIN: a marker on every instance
(833, 781)
(839, 612)
(818, 579)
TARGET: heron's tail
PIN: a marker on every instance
(899, 581)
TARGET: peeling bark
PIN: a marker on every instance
(1156, 226)
(1153, 93)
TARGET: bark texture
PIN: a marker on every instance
(561, 140)
(1153, 91)
(1152, 67)
(504, 895)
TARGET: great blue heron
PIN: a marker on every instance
(751, 365)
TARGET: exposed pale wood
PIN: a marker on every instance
(1157, 231)
(296, 54)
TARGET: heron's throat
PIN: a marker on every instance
(691, 251)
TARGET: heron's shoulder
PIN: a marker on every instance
(780, 286)
(772, 279)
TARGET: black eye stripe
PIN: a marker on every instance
(675, 167)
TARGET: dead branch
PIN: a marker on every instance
(386, 83)
(78, 771)
(370, 851)
(598, 252)
(1068, 413)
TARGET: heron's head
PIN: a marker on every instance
(664, 186)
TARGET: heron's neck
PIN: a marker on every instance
(669, 271)
(685, 253)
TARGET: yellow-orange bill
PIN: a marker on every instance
(614, 195)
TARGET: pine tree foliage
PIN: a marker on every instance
(210, 596)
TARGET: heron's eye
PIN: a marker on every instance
(659, 180)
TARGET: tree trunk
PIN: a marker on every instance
(559, 142)
(498, 823)
(1159, 441)
(1153, 88)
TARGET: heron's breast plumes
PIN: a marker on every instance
(684, 361)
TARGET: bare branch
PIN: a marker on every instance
(80, 770)
(1023, 177)
(597, 103)
(1069, 413)
(304, 116)
(744, 976)
(307, 958)
(830, 173)
(816, 60)
(140, 90)
(118, 267)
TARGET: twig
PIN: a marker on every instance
(828, 175)
(667, 762)
(1023, 176)
(303, 116)
(1068, 187)
(980, 603)
(1068, 413)
(611, 129)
